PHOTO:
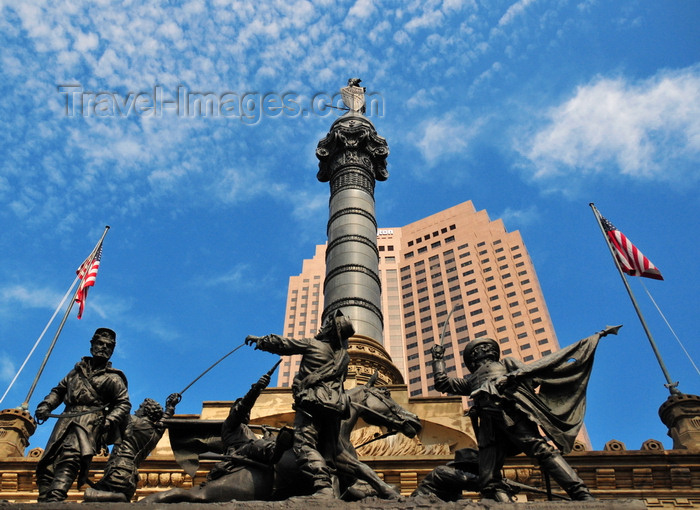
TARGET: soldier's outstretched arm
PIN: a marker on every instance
(173, 400)
(253, 340)
(443, 383)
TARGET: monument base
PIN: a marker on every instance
(366, 504)
(16, 426)
(681, 414)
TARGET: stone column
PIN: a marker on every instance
(16, 426)
(352, 157)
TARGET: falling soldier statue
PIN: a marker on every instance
(145, 428)
(240, 442)
(508, 411)
(320, 401)
(96, 406)
(447, 482)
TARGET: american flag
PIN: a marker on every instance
(632, 261)
(87, 272)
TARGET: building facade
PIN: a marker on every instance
(457, 263)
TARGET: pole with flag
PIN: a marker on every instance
(629, 259)
(87, 273)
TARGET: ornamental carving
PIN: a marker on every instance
(365, 441)
(353, 141)
(368, 356)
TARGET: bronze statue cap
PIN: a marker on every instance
(343, 325)
(107, 333)
(484, 340)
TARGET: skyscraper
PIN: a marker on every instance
(455, 261)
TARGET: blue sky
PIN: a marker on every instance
(531, 109)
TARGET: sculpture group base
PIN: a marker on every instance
(367, 504)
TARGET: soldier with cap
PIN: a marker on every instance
(507, 410)
(96, 407)
(320, 401)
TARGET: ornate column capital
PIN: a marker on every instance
(352, 141)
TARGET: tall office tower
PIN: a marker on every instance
(458, 261)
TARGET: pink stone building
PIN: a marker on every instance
(455, 259)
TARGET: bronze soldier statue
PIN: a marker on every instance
(96, 405)
(241, 443)
(320, 401)
(447, 482)
(507, 410)
(145, 428)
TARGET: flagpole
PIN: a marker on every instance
(36, 344)
(672, 387)
(25, 404)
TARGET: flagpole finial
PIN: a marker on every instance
(610, 330)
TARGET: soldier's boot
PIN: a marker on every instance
(566, 477)
(43, 483)
(283, 442)
(314, 468)
(324, 493)
(503, 496)
(96, 495)
(498, 492)
(63, 478)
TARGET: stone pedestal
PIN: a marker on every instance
(681, 414)
(368, 356)
(16, 426)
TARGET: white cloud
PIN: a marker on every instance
(236, 276)
(362, 9)
(439, 137)
(7, 368)
(28, 297)
(239, 279)
(308, 205)
(86, 42)
(401, 37)
(641, 130)
(422, 99)
(514, 11)
(517, 218)
(428, 19)
(378, 31)
(12, 65)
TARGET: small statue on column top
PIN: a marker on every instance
(354, 96)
